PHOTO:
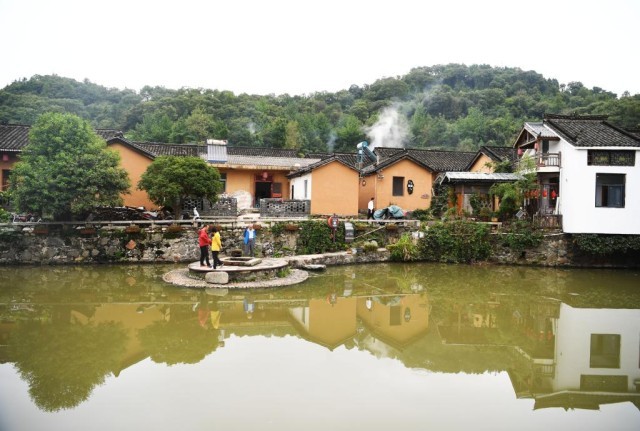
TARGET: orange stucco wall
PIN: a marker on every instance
(334, 189)
(244, 179)
(481, 164)
(367, 190)
(422, 180)
(135, 164)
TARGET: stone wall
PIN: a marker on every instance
(118, 246)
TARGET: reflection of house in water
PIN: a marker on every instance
(133, 318)
(596, 361)
(333, 321)
(395, 320)
(329, 322)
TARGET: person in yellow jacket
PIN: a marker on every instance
(216, 247)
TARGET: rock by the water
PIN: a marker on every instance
(217, 277)
(314, 267)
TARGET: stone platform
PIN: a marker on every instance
(183, 277)
(238, 273)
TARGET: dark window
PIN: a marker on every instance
(611, 158)
(398, 186)
(223, 180)
(276, 190)
(545, 146)
(605, 351)
(610, 190)
(5, 179)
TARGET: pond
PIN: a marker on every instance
(375, 347)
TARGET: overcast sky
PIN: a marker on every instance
(305, 46)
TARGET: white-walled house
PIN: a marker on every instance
(587, 171)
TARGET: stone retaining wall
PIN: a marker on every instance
(117, 246)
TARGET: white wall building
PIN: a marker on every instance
(588, 172)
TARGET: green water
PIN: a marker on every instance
(375, 347)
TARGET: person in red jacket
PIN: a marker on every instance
(204, 242)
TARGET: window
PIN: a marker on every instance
(5, 179)
(398, 186)
(276, 190)
(545, 146)
(605, 351)
(223, 180)
(610, 190)
(611, 158)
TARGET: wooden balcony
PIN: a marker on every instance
(544, 160)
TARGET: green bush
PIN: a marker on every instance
(315, 237)
(455, 241)
(404, 250)
(601, 245)
(4, 216)
(520, 235)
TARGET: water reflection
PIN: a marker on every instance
(566, 339)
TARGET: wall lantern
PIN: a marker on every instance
(364, 183)
(265, 175)
(410, 187)
(5, 157)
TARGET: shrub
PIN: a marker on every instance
(601, 245)
(519, 235)
(455, 241)
(404, 250)
(315, 237)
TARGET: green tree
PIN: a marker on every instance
(66, 169)
(292, 137)
(169, 180)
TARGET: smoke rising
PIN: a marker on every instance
(391, 129)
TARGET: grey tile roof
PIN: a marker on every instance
(476, 177)
(435, 160)
(348, 159)
(497, 154)
(236, 156)
(14, 137)
(590, 131)
(539, 129)
(281, 162)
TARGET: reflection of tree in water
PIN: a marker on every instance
(174, 342)
(63, 363)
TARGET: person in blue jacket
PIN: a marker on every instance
(249, 240)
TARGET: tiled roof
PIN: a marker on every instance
(14, 137)
(500, 154)
(236, 156)
(435, 160)
(476, 177)
(497, 154)
(262, 152)
(156, 149)
(282, 162)
(590, 131)
(538, 129)
(348, 159)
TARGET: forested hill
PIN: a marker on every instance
(454, 107)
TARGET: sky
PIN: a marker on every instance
(307, 46)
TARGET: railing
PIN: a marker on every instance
(548, 159)
(284, 208)
(547, 221)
